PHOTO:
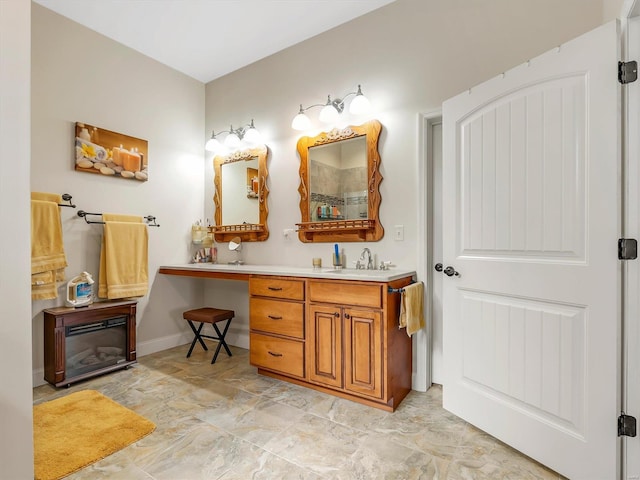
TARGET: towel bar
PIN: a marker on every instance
(67, 198)
(151, 220)
(398, 290)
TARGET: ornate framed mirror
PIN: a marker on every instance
(240, 197)
(339, 185)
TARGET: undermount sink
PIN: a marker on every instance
(354, 271)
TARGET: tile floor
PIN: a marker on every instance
(224, 421)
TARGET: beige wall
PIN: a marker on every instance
(611, 9)
(16, 441)
(79, 75)
(409, 57)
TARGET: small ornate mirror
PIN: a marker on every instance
(241, 196)
(339, 185)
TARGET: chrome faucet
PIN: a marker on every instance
(369, 258)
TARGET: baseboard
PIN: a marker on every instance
(163, 343)
(38, 377)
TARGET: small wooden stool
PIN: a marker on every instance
(212, 316)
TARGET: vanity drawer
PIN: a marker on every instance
(277, 354)
(360, 294)
(277, 288)
(275, 316)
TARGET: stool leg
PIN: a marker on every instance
(196, 338)
(221, 341)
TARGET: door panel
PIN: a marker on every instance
(524, 175)
(325, 338)
(362, 355)
(530, 220)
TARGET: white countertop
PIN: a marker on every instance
(282, 270)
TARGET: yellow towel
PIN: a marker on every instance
(48, 259)
(123, 257)
(47, 197)
(411, 308)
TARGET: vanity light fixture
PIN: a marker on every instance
(236, 139)
(331, 110)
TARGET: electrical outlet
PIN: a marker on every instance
(288, 232)
(399, 232)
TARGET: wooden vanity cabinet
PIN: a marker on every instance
(344, 346)
(337, 336)
(354, 346)
(276, 322)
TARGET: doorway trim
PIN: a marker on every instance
(423, 358)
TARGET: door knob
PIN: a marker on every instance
(450, 272)
(438, 267)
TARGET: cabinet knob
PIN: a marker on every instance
(347, 316)
(336, 314)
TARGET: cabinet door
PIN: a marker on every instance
(363, 352)
(324, 353)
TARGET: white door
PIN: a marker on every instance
(530, 224)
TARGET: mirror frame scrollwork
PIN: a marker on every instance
(248, 232)
(362, 230)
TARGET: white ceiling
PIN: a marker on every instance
(207, 39)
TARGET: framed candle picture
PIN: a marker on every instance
(108, 153)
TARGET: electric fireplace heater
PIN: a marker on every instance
(84, 342)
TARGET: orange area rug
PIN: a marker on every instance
(79, 429)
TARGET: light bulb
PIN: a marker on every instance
(232, 141)
(360, 105)
(301, 122)
(252, 137)
(329, 114)
(212, 145)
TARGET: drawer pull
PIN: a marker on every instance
(275, 289)
(274, 354)
(273, 317)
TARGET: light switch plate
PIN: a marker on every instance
(398, 232)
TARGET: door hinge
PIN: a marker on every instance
(627, 249)
(627, 72)
(626, 426)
